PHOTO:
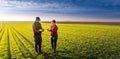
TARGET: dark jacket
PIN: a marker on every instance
(36, 27)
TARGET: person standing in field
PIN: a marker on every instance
(54, 35)
(37, 29)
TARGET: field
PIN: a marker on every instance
(75, 41)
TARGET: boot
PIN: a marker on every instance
(54, 50)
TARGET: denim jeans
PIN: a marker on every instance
(54, 41)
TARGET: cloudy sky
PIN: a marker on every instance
(61, 10)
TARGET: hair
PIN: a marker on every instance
(37, 18)
(54, 21)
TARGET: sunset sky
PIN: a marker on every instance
(61, 10)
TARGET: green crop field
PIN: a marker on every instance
(75, 41)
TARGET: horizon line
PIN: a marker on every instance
(58, 21)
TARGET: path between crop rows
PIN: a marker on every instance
(21, 43)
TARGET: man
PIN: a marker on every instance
(54, 35)
(37, 29)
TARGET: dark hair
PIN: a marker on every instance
(53, 21)
(37, 18)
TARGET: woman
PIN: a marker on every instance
(37, 29)
(54, 35)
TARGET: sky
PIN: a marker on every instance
(61, 10)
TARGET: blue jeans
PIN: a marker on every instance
(54, 41)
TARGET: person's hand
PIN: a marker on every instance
(40, 30)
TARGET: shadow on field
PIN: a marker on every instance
(61, 55)
(44, 55)
(57, 55)
(47, 56)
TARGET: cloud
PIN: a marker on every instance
(31, 4)
(88, 8)
(62, 4)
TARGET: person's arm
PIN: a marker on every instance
(33, 28)
(49, 29)
(53, 29)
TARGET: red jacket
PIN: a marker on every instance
(53, 30)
